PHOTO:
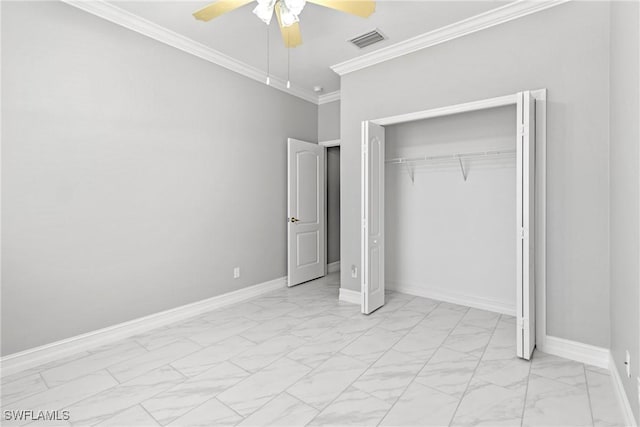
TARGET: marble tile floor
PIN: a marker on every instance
(298, 356)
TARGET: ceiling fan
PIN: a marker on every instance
(286, 11)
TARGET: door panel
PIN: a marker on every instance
(307, 174)
(308, 248)
(306, 211)
(525, 176)
(372, 247)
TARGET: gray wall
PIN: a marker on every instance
(440, 226)
(328, 130)
(625, 192)
(329, 121)
(565, 49)
(134, 176)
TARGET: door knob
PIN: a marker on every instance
(294, 219)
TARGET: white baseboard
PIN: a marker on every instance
(584, 353)
(36, 356)
(333, 267)
(440, 294)
(348, 295)
(621, 395)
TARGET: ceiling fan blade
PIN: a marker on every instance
(363, 8)
(291, 34)
(218, 8)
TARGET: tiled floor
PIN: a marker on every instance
(300, 357)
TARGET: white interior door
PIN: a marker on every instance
(372, 245)
(525, 175)
(306, 222)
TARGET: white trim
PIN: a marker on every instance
(466, 107)
(347, 295)
(441, 294)
(329, 97)
(491, 18)
(332, 143)
(595, 356)
(157, 32)
(36, 356)
(497, 16)
(574, 350)
(621, 395)
(541, 214)
(333, 267)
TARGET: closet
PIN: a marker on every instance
(448, 208)
(450, 191)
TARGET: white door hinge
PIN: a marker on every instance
(522, 130)
(522, 233)
(522, 323)
(364, 223)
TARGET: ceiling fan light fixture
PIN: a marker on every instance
(295, 6)
(287, 12)
(264, 10)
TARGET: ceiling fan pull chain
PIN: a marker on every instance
(288, 67)
(268, 70)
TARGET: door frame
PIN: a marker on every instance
(540, 96)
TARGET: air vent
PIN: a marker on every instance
(367, 39)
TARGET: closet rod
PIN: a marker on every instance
(459, 156)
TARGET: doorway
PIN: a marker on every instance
(313, 206)
(333, 209)
(307, 215)
(527, 184)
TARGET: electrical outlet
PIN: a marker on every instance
(627, 363)
(354, 272)
(236, 272)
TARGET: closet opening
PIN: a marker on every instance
(450, 192)
(450, 199)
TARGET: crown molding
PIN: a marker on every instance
(329, 97)
(157, 32)
(491, 18)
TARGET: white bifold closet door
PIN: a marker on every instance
(525, 236)
(372, 280)
(372, 243)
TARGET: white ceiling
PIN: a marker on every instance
(241, 35)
